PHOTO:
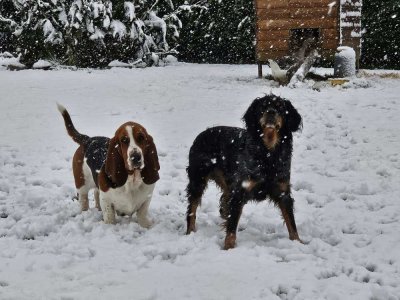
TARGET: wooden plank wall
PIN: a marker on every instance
(275, 19)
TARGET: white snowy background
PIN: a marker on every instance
(345, 175)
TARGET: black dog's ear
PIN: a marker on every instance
(250, 118)
(293, 118)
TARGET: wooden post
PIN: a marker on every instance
(260, 73)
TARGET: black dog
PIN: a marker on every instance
(247, 164)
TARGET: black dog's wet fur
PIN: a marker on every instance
(234, 156)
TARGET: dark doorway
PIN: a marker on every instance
(303, 40)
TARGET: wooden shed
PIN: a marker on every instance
(282, 26)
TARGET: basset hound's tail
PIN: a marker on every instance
(79, 138)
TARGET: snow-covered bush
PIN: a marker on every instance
(381, 34)
(193, 36)
(217, 31)
(89, 33)
(86, 24)
(32, 25)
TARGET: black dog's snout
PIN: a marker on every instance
(135, 157)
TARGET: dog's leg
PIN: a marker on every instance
(235, 207)
(83, 198)
(219, 178)
(109, 214)
(286, 206)
(232, 222)
(283, 199)
(97, 199)
(108, 209)
(191, 214)
(142, 218)
(223, 206)
(194, 191)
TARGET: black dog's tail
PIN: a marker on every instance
(79, 138)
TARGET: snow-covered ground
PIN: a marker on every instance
(346, 170)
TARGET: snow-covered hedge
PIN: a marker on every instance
(89, 32)
(217, 31)
(96, 32)
(92, 33)
(381, 34)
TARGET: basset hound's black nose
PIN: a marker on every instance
(135, 157)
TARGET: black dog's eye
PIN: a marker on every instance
(125, 140)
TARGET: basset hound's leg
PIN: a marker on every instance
(83, 198)
(97, 199)
(142, 218)
(108, 208)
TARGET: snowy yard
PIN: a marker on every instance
(345, 175)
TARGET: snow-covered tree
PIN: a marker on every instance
(218, 31)
(6, 9)
(86, 24)
(90, 33)
(195, 19)
(33, 26)
(231, 33)
(381, 37)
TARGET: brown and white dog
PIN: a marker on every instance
(123, 170)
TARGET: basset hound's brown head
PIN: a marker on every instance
(132, 149)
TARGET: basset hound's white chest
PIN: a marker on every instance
(129, 198)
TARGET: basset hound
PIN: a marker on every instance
(122, 170)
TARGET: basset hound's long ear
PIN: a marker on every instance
(293, 118)
(151, 165)
(115, 166)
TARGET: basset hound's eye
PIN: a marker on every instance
(125, 140)
(140, 138)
